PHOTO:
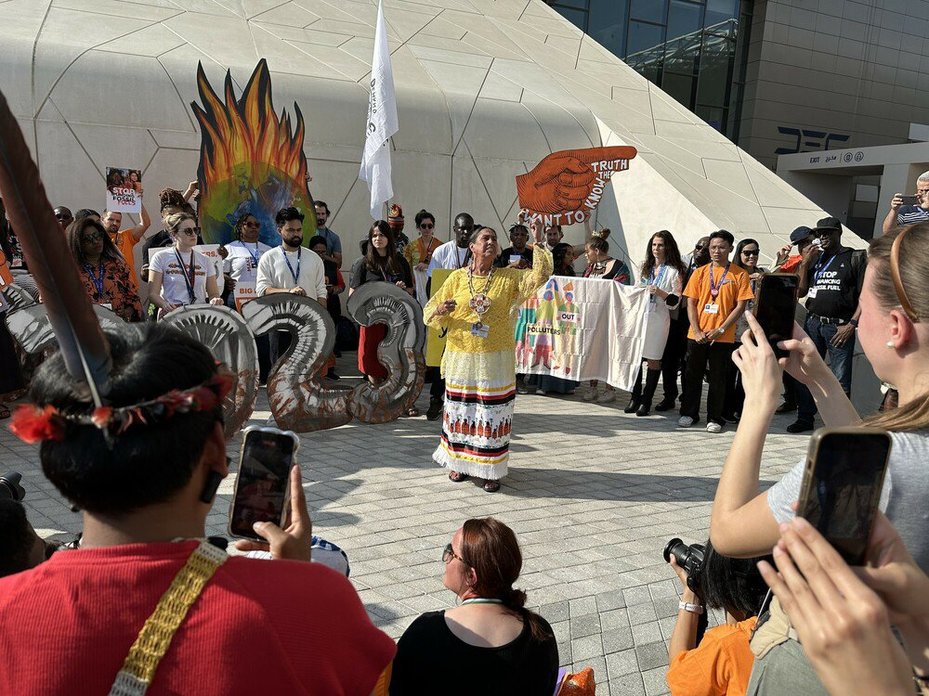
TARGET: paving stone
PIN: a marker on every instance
(586, 625)
(652, 655)
(586, 648)
(646, 633)
(641, 613)
(655, 682)
(621, 663)
(627, 685)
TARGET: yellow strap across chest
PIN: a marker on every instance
(153, 641)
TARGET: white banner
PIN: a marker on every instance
(581, 329)
(382, 122)
(211, 251)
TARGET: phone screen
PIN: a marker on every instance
(842, 489)
(775, 307)
(261, 486)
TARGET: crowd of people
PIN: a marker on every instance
(145, 490)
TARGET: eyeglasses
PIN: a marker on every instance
(749, 252)
(448, 553)
(426, 226)
(252, 225)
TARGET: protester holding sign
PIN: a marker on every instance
(125, 240)
(179, 275)
(104, 272)
(476, 306)
(662, 272)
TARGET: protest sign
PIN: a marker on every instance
(244, 292)
(567, 186)
(581, 329)
(435, 339)
(123, 190)
(211, 251)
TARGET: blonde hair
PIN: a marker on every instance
(173, 222)
(914, 274)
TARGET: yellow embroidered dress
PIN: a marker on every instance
(480, 370)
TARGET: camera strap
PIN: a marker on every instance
(153, 641)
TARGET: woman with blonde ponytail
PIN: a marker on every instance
(489, 643)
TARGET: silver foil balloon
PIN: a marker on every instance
(298, 398)
(401, 351)
(227, 336)
(29, 324)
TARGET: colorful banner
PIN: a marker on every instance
(581, 329)
(123, 190)
(435, 339)
(251, 159)
(244, 292)
(567, 186)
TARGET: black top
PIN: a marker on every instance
(361, 274)
(835, 284)
(506, 255)
(432, 660)
(332, 301)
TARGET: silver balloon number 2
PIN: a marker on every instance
(299, 398)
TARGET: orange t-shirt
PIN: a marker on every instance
(124, 241)
(720, 666)
(733, 288)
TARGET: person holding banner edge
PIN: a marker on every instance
(197, 283)
(475, 306)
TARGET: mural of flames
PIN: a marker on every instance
(250, 159)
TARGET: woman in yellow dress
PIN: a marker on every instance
(418, 253)
(477, 306)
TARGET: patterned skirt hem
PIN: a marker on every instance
(453, 462)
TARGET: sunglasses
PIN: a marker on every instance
(749, 252)
(699, 246)
(253, 225)
(192, 231)
(426, 226)
(448, 553)
(91, 238)
(63, 216)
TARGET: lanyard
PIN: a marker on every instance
(255, 255)
(190, 277)
(97, 281)
(817, 273)
(655, 279)
(466, 256)
(295, 274)
(714, 288)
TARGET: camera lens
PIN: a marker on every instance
(676, 548)
(10, 487)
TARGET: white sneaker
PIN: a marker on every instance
(590, 394)
(685, 422)
(714, 427)
(608, 397)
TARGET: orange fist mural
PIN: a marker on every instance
(567, 185)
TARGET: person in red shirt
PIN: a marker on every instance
(802, 238)
(144, 470)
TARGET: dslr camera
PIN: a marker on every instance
(690, 558)
(11, 488)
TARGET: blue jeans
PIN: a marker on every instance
(840, 361)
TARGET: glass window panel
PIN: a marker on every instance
(719, 11)
(643, 36)
(713, 80)
(680, 87)
(712, 115)
(650, 10)
(607, 24)
(680, 56)
(684, 18)
(577, 17)
(576, 4)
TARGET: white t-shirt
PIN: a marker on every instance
(174, 288)
(242, 262)
(276, 269)
(448, 255)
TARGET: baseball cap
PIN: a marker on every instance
(799, 234)
(828, 223)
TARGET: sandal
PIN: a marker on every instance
(457, 476)
(491, 486)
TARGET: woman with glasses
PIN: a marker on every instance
(418, 253)
(746, 258)
(179, 275)
(894, 334)
(241, 263)
(489, 643)
(104, 272)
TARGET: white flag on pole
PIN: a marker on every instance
(382, 121)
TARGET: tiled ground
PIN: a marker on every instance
(593, 495)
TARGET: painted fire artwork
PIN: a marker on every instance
(251, 160)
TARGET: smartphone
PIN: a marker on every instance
(910, 200)
(775, 304)
(842, 486)
(262, 483)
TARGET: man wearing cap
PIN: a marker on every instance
(831, 280)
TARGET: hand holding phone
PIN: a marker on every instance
(909, 200)
(293, 542)
(842, 486)
(775, 305)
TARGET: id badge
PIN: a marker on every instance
(480, 330)
(811, 293)
(711, 308)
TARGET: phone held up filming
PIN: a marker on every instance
(262, 484)
(842, 486)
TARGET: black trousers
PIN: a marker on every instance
(673, 359)
(437, 386)
(699, 355)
